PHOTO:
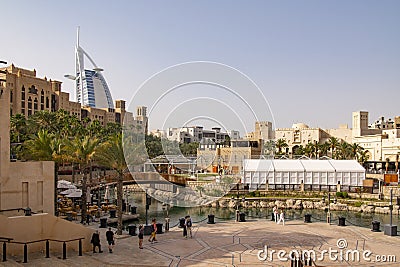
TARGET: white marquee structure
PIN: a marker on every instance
(257, 172)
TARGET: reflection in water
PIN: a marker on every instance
(158, 211)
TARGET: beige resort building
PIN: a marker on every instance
(29, 94)
(30, 185)
(380, 139)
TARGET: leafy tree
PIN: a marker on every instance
(333, 143)
(82, 150)
(309, 150)
(269, 148)
(189, 149)
(17, 128)
(299, 151)
(110, 154)
(323, 149)
(363, 156)
(355, 150)
(153, 146)
(47, 147)
(281, 144)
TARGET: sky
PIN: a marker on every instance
(313, 61)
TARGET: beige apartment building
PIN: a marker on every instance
(30, 94)
(22, 184)
(381, 142)
(381, 139)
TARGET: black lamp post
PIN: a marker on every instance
(148, 203)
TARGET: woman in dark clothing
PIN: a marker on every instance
(96, 241)
(141, 233)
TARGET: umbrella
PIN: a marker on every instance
(69, 191)
(63, 184)
(75, 194)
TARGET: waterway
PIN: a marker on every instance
(159, 211)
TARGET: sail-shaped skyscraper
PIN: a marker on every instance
(90, 86)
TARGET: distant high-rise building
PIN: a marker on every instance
(91, 87)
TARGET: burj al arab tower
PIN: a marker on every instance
(90, 86)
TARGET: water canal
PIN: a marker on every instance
(159, 211)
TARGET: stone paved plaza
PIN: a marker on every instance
(230, 243)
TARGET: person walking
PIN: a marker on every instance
(282, 218)
(96, 241)
(185, 228)
(154, 231)
(110, 240)
(140, 235)
(188, 224)
(275, 211)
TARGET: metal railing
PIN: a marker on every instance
(6, 240)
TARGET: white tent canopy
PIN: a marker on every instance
(310, 172)
(63, 184)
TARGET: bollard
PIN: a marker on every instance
(181, 222)
(64, 251)
(103, 222)
(307, 218)
(166, 224)
(376, 226)
(4, 251)
(47, 249)
(28, 212)
(133, 210)
(211, 219)
(342, 221)
(113, 213)
(132, 229)
(25, 253)
(242, 217)
(80, 247)
(159, 228)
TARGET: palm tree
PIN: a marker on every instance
(333, 143)
(309, 150)
(82, 150)
(269, 148)
(110, 154)
(363, 156)
(17, 127)
(323, 149)
(280, 144)
(355, 150)
(299, 151)
(344, 150)
(45, 119)
(48, 147)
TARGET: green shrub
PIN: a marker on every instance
(345, 195)
(358, 204)
(339, 194)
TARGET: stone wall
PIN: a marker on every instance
(43, 226)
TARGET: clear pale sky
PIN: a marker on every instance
(315, 61)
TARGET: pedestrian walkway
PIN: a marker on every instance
(231, 243)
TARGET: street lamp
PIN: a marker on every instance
(126, 191)
(328, 215)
